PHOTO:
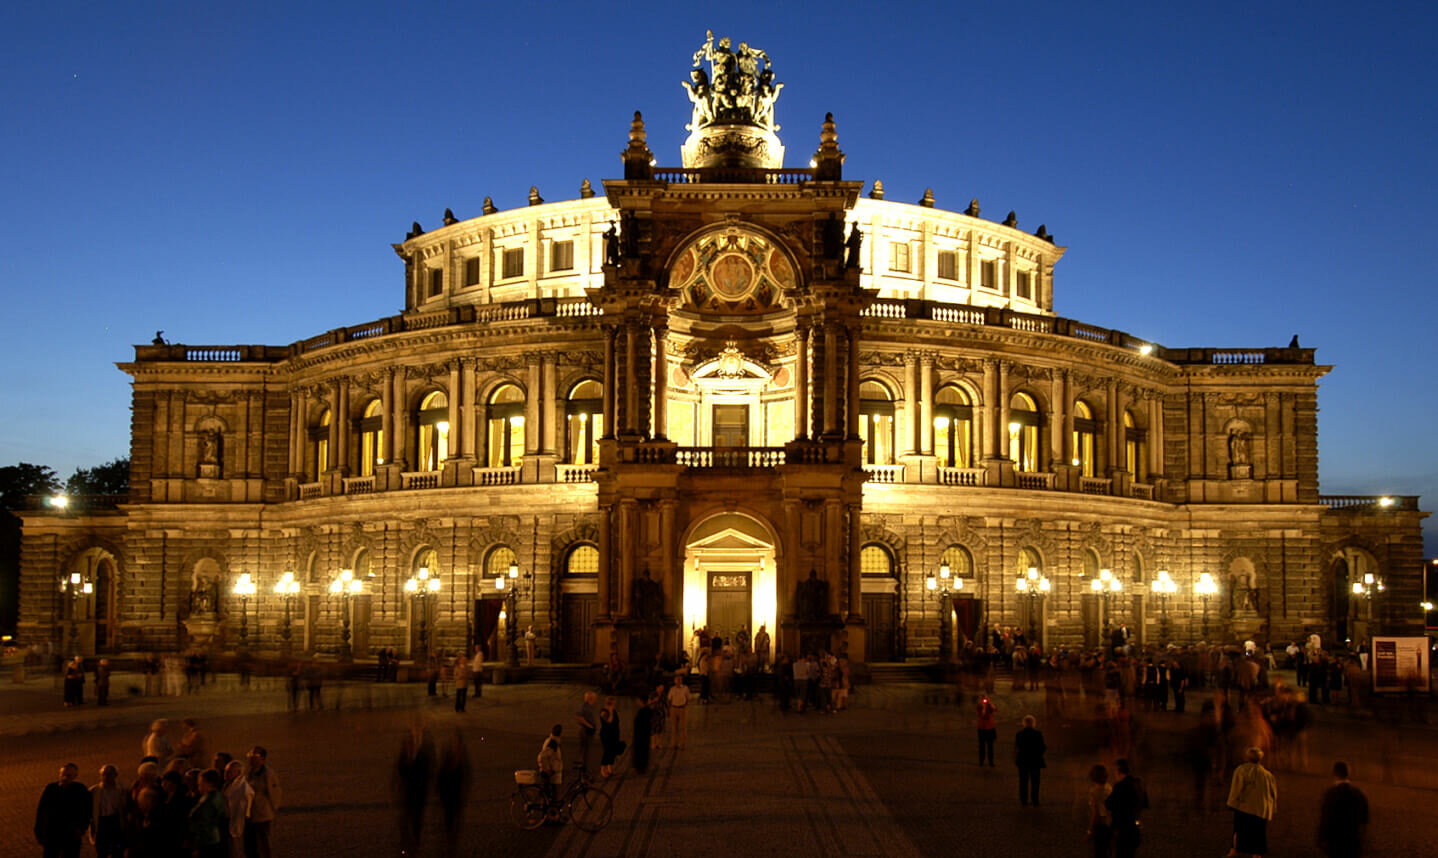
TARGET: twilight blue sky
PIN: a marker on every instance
(1222, 174)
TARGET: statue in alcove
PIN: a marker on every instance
(648, 599)
(812, 599)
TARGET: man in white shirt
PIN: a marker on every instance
(238, 793)
(678, 700)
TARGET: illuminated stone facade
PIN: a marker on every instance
(719, 394)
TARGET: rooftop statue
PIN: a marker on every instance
(739, 87)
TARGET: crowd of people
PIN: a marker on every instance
(182, 803)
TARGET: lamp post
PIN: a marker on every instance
(1365, 590)
(287, 588)
(345, 585)
(1032, 587)
(1205, 589)
(244, 588)
(77, 587)
(419, 587)
(1163, 587)
(939, 588)
(1106, 586)
(518, 587)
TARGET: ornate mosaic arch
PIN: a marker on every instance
(735, 271)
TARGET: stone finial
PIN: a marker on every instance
(878, 191)
(637, 134)
(1011, 220)
(828, 162)
(415, 231)
(489, 207)
(638, 160)
(927, 200)
(973, 209)
(449, 217)
(1043, 232)
(586, 190)
(534, 197)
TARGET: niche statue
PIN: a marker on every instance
(648, 599)
(812, 599)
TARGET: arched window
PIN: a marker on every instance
(312, 567)
(1028, 559)
(319, 452)
(433, 422)
(1090, 564)
(1135, 448)
(496, 565)
(1024, 432)
(582, 560)
(505, 419)
(1086, 433)
(876, 423)
(953, 428)
(1138, 571)
(875, 560)
(584, 422)
(371, 433)
(960, 561)
(363, 566)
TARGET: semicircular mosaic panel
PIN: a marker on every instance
(735, 272)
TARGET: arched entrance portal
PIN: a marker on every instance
(730, 578)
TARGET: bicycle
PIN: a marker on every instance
(582, 802)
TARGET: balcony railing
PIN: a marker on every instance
(309, 491)
(1035, 481)
(575, 473)
(1404, 503)
(507, 476)
(419, 480)
(885, 473)
(1142, 491)
(962, 476)
(358, 485)
(729, 457)
(1095, 485)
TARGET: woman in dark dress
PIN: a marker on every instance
(609, 737)
(643, 723)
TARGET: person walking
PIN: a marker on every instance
(107, 814)
(1253, 796)
(1343, 817)
(761, 647)
(192, 745)
(609, 741)
(237, 806)
(988, 729)
(643, 732)
(156, 744)
(412, 773)
(452, 785)
(678, 697)
(1029, 749)
(263, 805)
(588, 719)
(476, 670)
(1126, 804)
(63, 814)
(1100, 827)
(102, 682)
(209, 818)
(461, 682)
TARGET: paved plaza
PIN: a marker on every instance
(894, 776)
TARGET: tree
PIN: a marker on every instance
(111, 478)
(17, 484)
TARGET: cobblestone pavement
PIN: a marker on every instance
(894, 776)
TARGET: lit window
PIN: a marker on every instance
(875, 560)
(960, 563)
(497, 563)
(1135, 446)
(876, 423)
(436, 281)
(471, 271)
(319, 458)
(371, 432)
(505, 419)
(989, 274)
(1024, 423)
(561, 256)
(433, 422)
(899, 256)
(948, 265)
(1024, 287)
(1085, 439)
(953, 428)
(584, 422)
(513, 263)
(582, 560)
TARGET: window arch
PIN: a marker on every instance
(319, 451)
(960, 561)
(1086, 439)
(584, 422)
(1135, 448)
(582, 560)
(433, 423)
(504, 417)
(1138, 569)
(497, 563)
(1091, 564)
(371, 437)
(953, 427)
(876, 561)
(876, 423)
(1028, 558)
(1025, 424)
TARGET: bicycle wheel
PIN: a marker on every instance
(527, 807)
(590, 809)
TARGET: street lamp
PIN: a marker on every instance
(77, 587)
(940, 588)
(518, 587)
(287, 588)
(1163, 587)
(1106, 586)
(1366, 589)
(419, 587)
(1032, 586)
(346, 585)
(244, 588)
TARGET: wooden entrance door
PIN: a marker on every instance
(576, 631)
(360, 609)
(880, 643)
(729, 603)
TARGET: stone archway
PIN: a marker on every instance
(730, 578)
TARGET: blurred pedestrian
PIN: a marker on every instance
(1253, 796)
(643, 732)
(678, 697)
(192, 744)
(461, 682)
(588, 718)
(1029, 749)
(264, 803)
(412, 775)
(452, 784)
(209, 818)
(988, 727)
(156, 744)
(107, 814)
(63, 814)
(102, 682)
(237, 806)
(1126, 804)
(74, 682)
(609, 741)
(1100, 827)
(1343, 818)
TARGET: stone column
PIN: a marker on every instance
(851, 413)
(833, 550)
(856, 584)
(1114, 436)
(1005, 397)
(1058, 416)
(609, 382)
(455, 412)
(631, 381)
(831, 381)
(531, 406)
(1155, 437)
(801, 382)
(661, 385)
(606, 560)
(386, 421)
(401, 420)
(550, 393)
(926, 403)
(667, 564)
(467, 433)
(1067, 451)
(911, 443)
(989, 410)
(629, 542)
(296, 426)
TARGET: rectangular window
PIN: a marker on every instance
(561, 256)
(948, 265)
(1025, 285)
(513, 263)
(989, 274)
(899, 256)
(471, 271)
(436, 281)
